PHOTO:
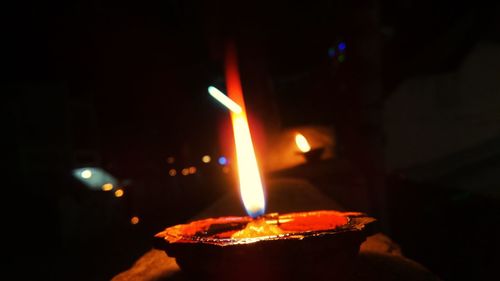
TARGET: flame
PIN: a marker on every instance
(251, 189)
(302, 143)
(227, 102)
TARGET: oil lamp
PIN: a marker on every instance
(311, 155)
(315, 245)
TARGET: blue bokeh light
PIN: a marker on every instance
(342, 46)
(222, 160)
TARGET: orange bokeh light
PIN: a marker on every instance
(172, 172)
(119, 193)
(107, 187)
(134, 220)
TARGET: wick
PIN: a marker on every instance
(273, 218)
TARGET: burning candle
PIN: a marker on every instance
(268, 246)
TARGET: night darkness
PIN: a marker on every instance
(410, 90)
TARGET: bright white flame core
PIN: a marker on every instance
(251, 190)
(302, 143)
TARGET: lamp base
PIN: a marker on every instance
(324, 254)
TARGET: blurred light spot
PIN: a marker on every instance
(342, 46)
(192, 170)
(93, 177)
(302, 143)
(119, 193)
(107, 186)
(170, 160)
(134, 220)
(206, 159)
(222, 160)
(86, 174)
(225, 170)
(185, 172)
(172, 172)
(341, 58)
(331, 52)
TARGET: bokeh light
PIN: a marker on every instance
(222, 160)
(94, 178)
(206, 159)
(107, 186)
(172, 172)
(86, 174)
(134, 220)
(119, 193)
(342, 46)
(192, 170)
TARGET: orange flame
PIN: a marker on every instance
(251, 189)
(302, 143)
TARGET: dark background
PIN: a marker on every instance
(121, 85)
